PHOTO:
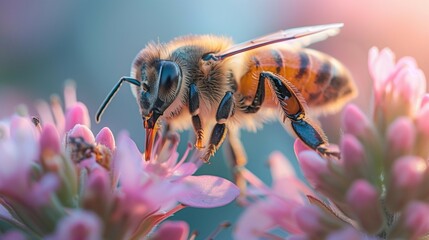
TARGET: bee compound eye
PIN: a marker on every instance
(169, 77)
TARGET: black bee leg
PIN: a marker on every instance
(259, 97)
(194, 109)
(292, 104)
(224, 111)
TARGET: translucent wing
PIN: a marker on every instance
(296, 36)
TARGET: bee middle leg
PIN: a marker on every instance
(224, 111)
(194, 109)
(237, 159)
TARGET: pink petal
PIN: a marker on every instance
(70, 94)
(77, 114)
(353, 156)
(309, 219)
(105, 137)
(22, 132)
(97, 192)
(380, 65)
(50, 140)
(405, 180)
(280, 166)
(172, 230)
(363, 199)
(425, 100)
(408, 171)
(43, 191)
(208, 192)
(285, 182)
(416, 219)
(401, 136)
(313, 166)
(283, 212)
(409, 84)
(82, 131)
(128, 159)
(79, 225)
(299, 146)
(251, 229)
(44, 112)
(355, 122)
(185, 169)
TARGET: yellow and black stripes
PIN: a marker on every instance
(319, 78)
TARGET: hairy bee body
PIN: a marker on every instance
(216, 88)
(323, 82)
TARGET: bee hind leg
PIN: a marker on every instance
(224, 111)
(293, 108)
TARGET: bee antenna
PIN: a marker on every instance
(112, 93)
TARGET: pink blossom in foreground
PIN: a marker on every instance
(59, 181)
(378, 188)
(383, 171)
(276, 207)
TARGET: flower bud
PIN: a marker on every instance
(173, 230)
(356, 123)
(405, 180)
(82, 131)
(400, 138)
(77, 114)
(50, 144)
(105, 137)
(353, 157)
(363, 199)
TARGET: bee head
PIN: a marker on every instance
(160, 85)
(159, 88)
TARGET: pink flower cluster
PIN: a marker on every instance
(59, 181)
(377, 189)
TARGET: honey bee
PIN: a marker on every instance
(208, 84)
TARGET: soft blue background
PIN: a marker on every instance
(45, 42)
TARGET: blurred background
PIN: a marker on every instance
(45, 42)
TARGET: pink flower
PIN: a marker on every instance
(156, 186)
(78, 225)
(377, 189)
(172, 230)
(58, 181)
(20, 151)
(277, 207)
(383, 165)
(398, 87)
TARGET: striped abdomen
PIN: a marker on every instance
(322, 80)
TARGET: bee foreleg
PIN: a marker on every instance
(194, 109)
(292, 104)
(224, 111)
